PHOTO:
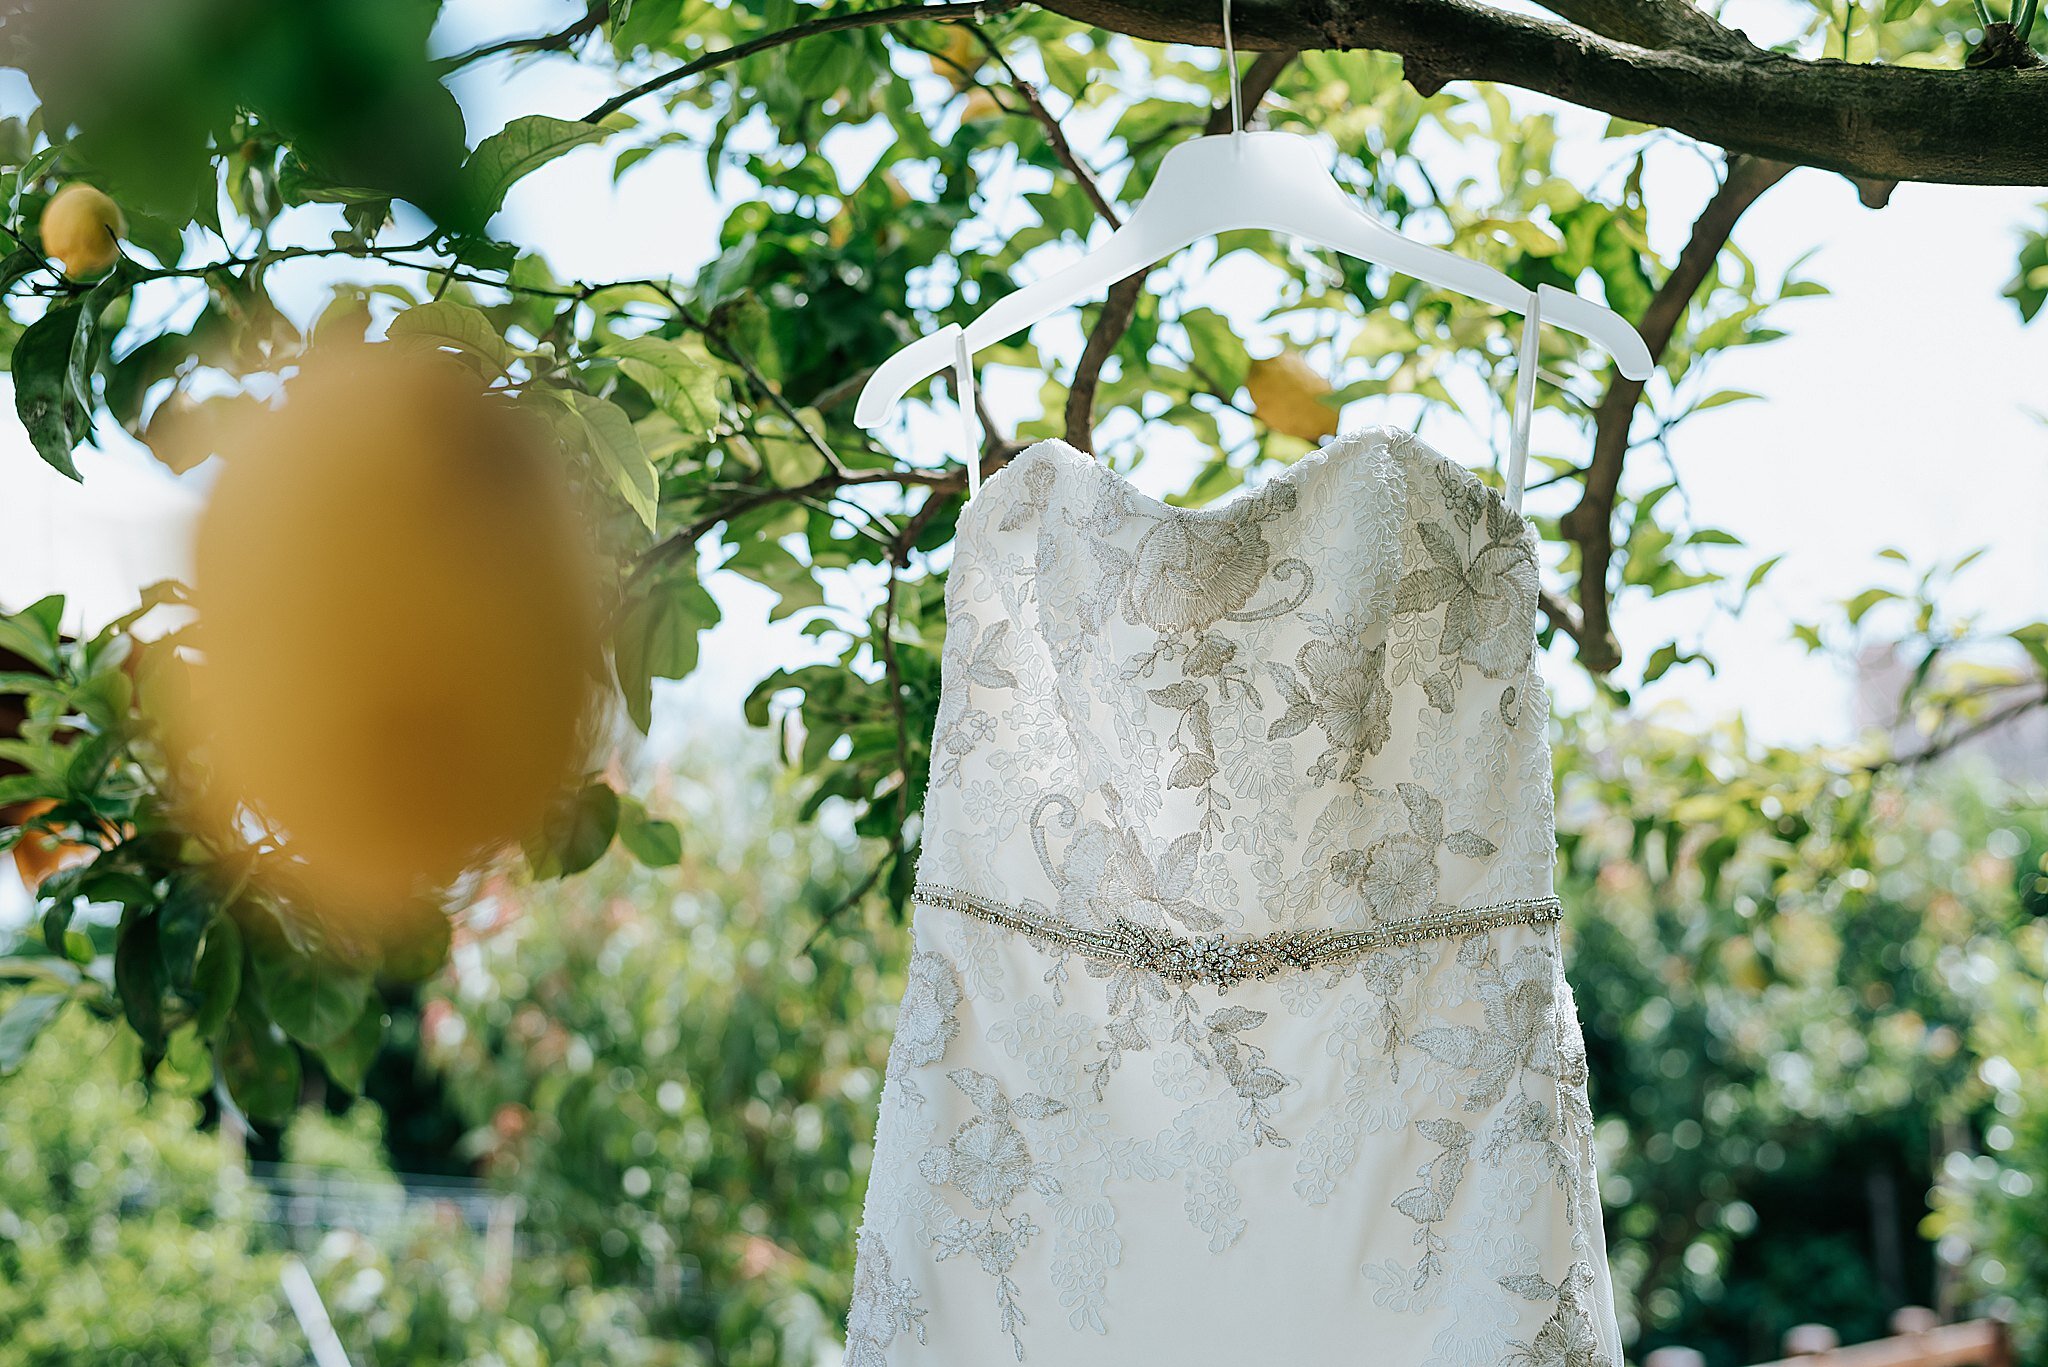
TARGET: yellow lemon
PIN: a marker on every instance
(398, 629)
(1288, 395)
(81, 228)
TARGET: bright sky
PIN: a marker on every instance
(1896, 413)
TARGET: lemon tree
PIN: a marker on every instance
(181, 153)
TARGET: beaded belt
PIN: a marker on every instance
(1222, 961)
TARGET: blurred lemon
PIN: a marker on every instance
(81, 228)
(980, 105)
(1288, 395)
(398, 627)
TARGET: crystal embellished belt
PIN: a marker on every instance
(1222, 961)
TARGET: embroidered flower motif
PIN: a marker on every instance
(1346, 694)
(1518, 1034)
(883, 1305)
(989, 1162)
(1189, 572)
(1487, 600)
(1567, 1338)
(1397, 876)
(1115, 870)
(926, 1022)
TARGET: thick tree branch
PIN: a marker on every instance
(1869, 122)
(976, 10)
(1591, 522)
(1651, 23)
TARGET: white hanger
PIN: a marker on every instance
(1263, 179)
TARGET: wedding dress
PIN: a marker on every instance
(1236, 1029)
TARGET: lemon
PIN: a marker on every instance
(398, 629)
(960, 58)
(1288, 396)
(81, 228)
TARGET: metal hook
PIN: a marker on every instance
(1230, 73)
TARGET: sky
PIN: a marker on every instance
(1896, 414)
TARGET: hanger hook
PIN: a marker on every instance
(1230, 73)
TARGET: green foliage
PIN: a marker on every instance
(1991, 1209)
(227, 985)
(1781, 964)
(676, 1075)
(126, 1236)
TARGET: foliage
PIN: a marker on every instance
(129, 1238)
(1991, 1209)
(676, 1077)
(126, 1236)
(1781, 970)
(147, 918)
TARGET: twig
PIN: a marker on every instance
(1054, 135)
(559, 41)
(1990, 721)
(831, 23)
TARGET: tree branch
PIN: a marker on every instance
(1122, 304)
(559, 41)
(1941, 745)
(976, 10)
(1651, 23)
(1054, 134)
(1591, 522)
(1869, 122)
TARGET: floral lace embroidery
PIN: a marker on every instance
(1292, 746)
(884, 1306)
(989, 1162)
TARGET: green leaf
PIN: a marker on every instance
(653, 841)
(348, 1057)
(1863, 602)
(138, 979)
(186, 1069)
(23, 1022)
(182, 924)
(601, 430)
(259, 1064)
(657, 638)
(449, 326)
(522, 147)
(2033, 638)
(217, 980)
(1722, 397)
(42, 387)
(311, 997)
(35, 633)
(577, 833)
(677, 373)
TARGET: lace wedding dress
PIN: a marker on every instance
(1236, 1029)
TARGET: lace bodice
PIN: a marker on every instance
(1300, 709)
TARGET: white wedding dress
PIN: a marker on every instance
(1237, 1031)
